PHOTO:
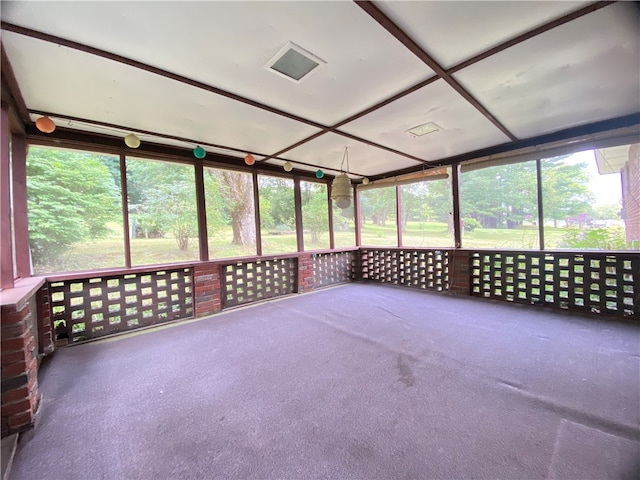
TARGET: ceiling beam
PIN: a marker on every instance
(466, 63)
(530, 34)
(375, 13)
(45, 37)
(11, 84)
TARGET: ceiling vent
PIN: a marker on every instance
(423, 129)
(294, 63)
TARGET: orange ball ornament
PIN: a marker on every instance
(249, 160)
(45, 124)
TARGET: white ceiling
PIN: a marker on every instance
(584, 71)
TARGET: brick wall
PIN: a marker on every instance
(305, 273)
(459, 273)
(631, 199)
(19, 366)
(207, 296)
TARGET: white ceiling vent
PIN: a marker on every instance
(294, 62)
(423, 129)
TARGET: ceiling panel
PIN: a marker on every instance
(579, 73)
(437, 26)
(462, 127)
(227, 44)
(327, 151)
(61, 80)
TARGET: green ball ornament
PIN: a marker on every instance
(319, 174)
(199, 152)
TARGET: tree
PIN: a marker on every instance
(71, 196)
(314, 210)
(236, 197)
(276, 203)
(565, 189)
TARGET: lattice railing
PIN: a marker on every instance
(595, 282)
(333, 268)
(87, 308)
(420, 268)
(246, 282)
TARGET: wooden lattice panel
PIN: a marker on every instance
(94, 307)
(332, 268)
(246, 282)
(427, 269)
(595, 282)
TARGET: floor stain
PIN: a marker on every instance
(405, 371)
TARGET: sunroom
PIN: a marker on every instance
(455, 185)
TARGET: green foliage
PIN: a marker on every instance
(565, 189)
(276, 202)
(314, 210)
(470, 224)
(611, 238)
(71, 196)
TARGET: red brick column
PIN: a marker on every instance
(19, 367)
(208, 293)
(305, 273)
(459, 272)
(46, 342)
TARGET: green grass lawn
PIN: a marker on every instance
(109, 252)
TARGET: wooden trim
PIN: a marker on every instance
(256, 211)
(414, 48)
(356, 216)
(20, 218)
(45, 37)
(540, 203)
(297, 196)
(455, 190)
(332, 240)
(6, 231)
(124, 193)
(399, 215)
(528, 35)
(9, 78)
(203, 234)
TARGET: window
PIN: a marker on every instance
(584, 203)
(315, 215)
(277, 215)
(344, 226)
(427, 214)
(231, 221)
(499, 207)
(163, 219)
(74, 210)
(378, 216)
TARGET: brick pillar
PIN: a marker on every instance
(208, 293)
(459, 272)
(19, 366)
(305, 273)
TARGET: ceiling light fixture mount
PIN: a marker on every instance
(424, 129)
(294, 63)
(341, 185)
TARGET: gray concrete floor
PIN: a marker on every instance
(360, 381)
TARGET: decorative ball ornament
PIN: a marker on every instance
(249, 160)
(132, 141)
(199, 152)
(287, 166)
(341, 191)
(319, 174)
(45, 124)
(365, 181)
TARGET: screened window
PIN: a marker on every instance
(499, 207)
(427, 216)
(277, 215)
(344, 226)
(584, 203)
(74, 210)
(378, 216)
(163, 223)
(315, 215)
(231, 222)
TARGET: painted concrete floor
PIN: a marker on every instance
(361, 381)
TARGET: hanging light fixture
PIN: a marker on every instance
(341, 185)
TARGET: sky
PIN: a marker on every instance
(607, 188)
